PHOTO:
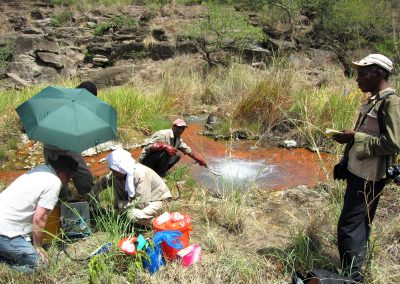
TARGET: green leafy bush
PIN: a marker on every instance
(356, 22)
(220, 28)
(6, 53)
(117, 22)
(61, 19)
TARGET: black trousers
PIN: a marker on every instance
(360, 203)
(160, 161)
(83, 179)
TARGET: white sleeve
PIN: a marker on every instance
(49, 197)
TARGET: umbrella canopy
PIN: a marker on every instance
(71, 119)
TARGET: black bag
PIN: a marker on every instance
(319, 276)
(340, 171)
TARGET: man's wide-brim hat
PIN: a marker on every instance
(377, 59)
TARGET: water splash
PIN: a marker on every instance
(235, 173)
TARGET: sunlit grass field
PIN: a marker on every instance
(250, 236)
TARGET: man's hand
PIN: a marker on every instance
(43, 255)
(39, 223)
(170, 150)
(157, 146)
(198, 159)
(344, 137)
(162, 146)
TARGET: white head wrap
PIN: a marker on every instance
(121, 161)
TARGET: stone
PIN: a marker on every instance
(277, 44)
(299, 60)
(288, 144)
(31, 31)
(25, 66)
(17, 80)
(17, 22)
(162, 51)
(64, 32)
(38, 14)
(73, 57)
(126, 49)
(110, 76)
(48, 74)
(186, 46)
(101, 48)
(29, 43)
(52, 59)
(159, 34)
(42, 23)
(100, 60)
(256, 53)
(325, 59)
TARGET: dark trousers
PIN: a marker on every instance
(83, 178)
(160, 161)
(360, 203)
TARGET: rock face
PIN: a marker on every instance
(51, 43)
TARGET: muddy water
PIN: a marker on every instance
(241, 164)
(232, 164)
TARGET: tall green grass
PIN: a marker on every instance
(139, 110)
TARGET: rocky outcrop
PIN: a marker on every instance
(50, 43)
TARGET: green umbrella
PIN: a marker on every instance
(71, 119)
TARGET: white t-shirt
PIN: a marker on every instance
(18, 202)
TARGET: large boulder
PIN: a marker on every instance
(111, 76)
(25, 66)
(17, 22)
(38, 14)
(51, 59)
(34, 44)
(256, 53)
(299, 60)
(184, 45)
(162, 51)
(126, 33)
(127, 50)
(323, 58)
(48, 74)
(100, 48)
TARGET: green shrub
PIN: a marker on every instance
(220, 28)
(6, 53)
(267, 102)
(62, 19)
(356, 22)
(117, 22)
(103, 28)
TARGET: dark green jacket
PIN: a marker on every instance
(387, 144)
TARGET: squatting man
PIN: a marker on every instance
(138, 191)
(160, 150)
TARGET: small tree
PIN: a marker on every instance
(222, 28)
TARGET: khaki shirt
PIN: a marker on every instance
(166, 136)
(149, 187)
(377, 138)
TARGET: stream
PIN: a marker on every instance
(232, 164)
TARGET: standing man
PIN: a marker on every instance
(371, 148)
(138, 190)
(25, 206)
(83, 179)
(160, 151)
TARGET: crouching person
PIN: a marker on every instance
(24, 208)
(138, 190)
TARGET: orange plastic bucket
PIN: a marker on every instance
(179, 222)
(53, 225)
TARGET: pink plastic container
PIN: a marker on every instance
(189, 255)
